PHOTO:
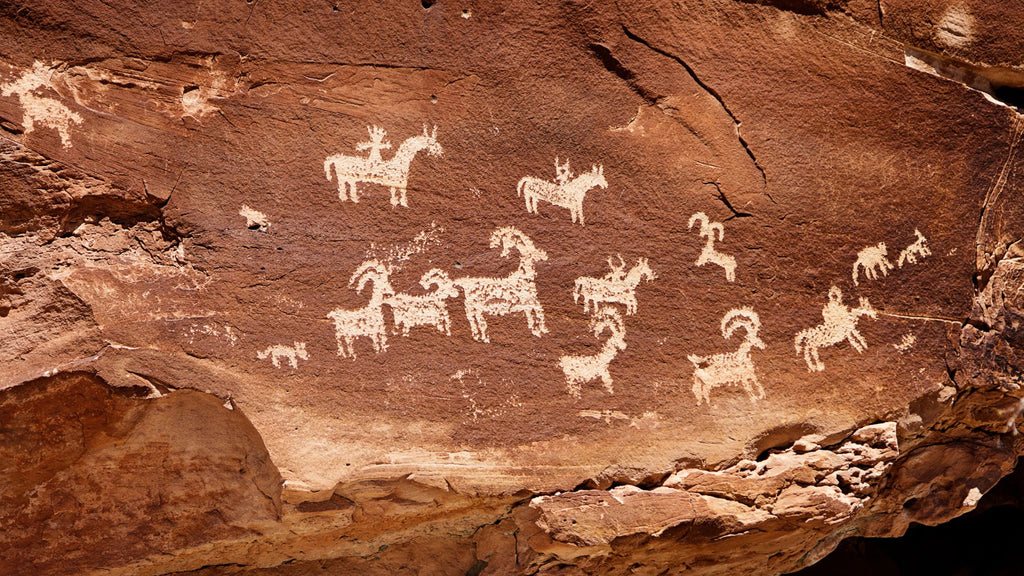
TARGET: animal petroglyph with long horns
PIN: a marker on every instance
(514, 293)
(708, 255)
(581, 369)
(367, 321)
(730, 368)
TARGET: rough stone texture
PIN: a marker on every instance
(175, 268)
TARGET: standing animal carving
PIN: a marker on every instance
(514, 293)
(373, 169)
(709, 255)
(616, 287)
(582, 369)
(730, 368)
(565, 191)
(919, 249)
(874, 261)
(428, 309)
(840, 323)
(369, 320)
(279, 351)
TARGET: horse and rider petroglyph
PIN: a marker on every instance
(616, 287)
(566, 191)
(730, 368)
(427, 309)
(581, 369)
(709, 255)
(511, 294)
(367, 321)
(874, 261)
(373, 169)
(840, 323)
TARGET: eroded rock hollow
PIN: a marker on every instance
(453, 287)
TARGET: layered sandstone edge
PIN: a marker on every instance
(109, 469)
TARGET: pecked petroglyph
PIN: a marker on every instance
(581, 369)
(616, 287)
(278, 351)
(427, 309)
(254, 220)
(373, 169)
(873, 260)
(730, 368)
(840, 323)
(367, 321)
(41, 110)
(395, 256)
(919, 249)
(906, 342)
(566, 191)
(708, 255)
(514, 293)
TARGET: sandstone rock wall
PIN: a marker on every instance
(459, 288)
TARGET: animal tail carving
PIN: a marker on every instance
(520, 186)
(327, 168)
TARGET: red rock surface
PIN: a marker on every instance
(178, 278)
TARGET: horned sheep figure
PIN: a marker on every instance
(511, 294)
(366, 321)
(708, 254)
(584, 368)
(730, 368)
(428, 309)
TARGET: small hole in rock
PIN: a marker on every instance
(254, 227)
(188, 89)
(427, 4)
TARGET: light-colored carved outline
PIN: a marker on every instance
(730, 368)
(565, 191)
(616, 287)
(874, 260)
(278, 351)
(427, 309)
(840, 323)
(369, 320)
(708, 255)
(581, 369)
(514, 293)
(373, 169)
(919, 249)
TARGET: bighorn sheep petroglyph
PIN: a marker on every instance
(369, 320)
(583, 368)
(514, 293)
(730, 368)
(709, 255)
